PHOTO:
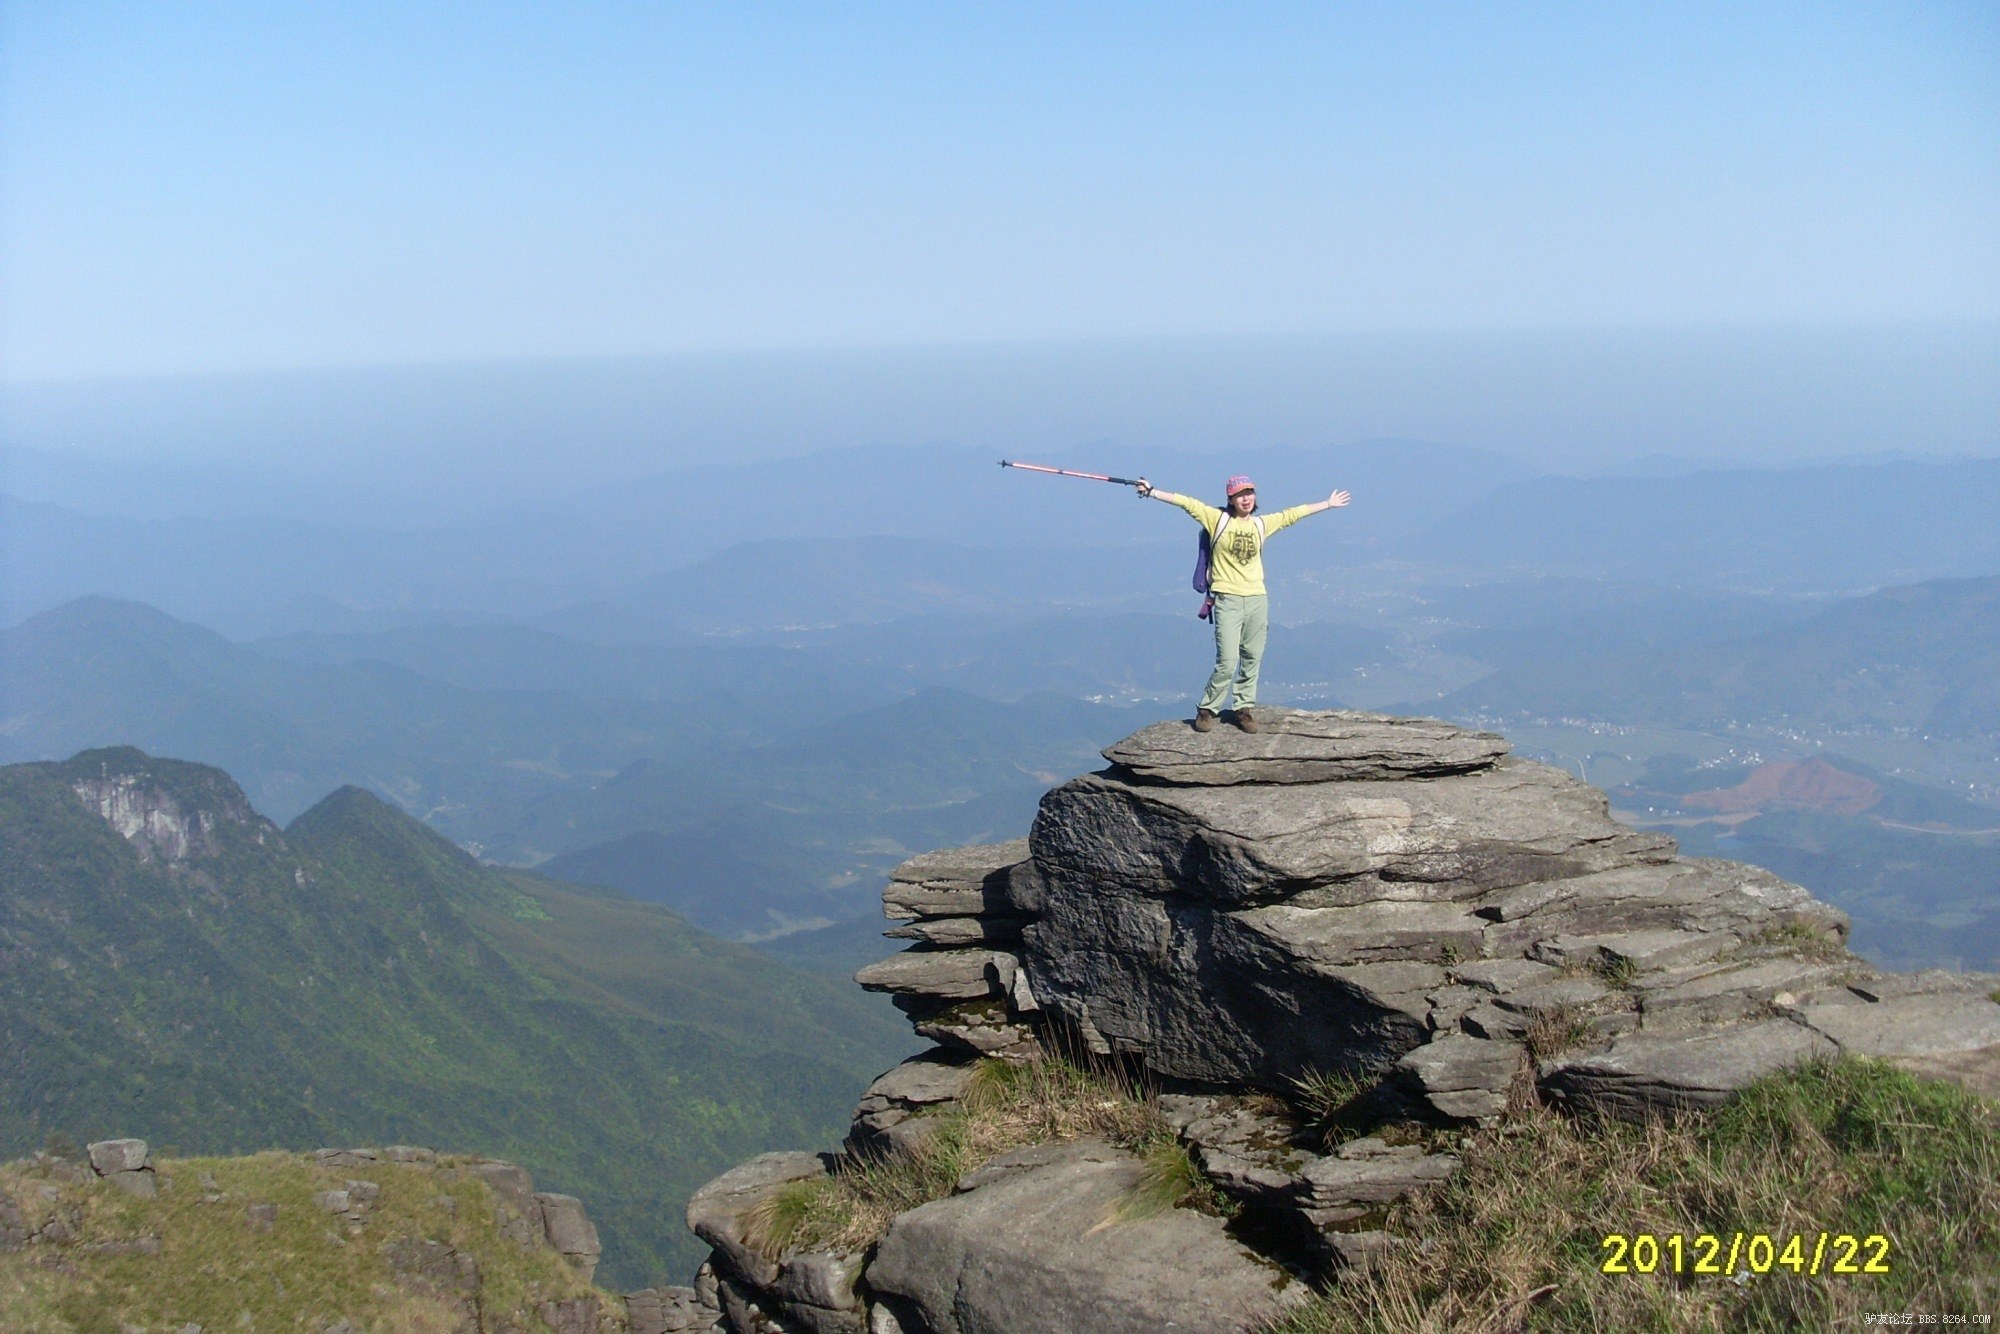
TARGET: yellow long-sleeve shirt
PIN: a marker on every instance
(1236, 563)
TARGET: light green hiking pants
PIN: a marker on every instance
(1242, 621)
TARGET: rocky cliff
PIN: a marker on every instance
(1248, 934)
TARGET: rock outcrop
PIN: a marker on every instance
(1395, 907)
(402, 1204)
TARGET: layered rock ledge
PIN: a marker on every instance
(1396, 902)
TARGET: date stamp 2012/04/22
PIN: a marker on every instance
(1821, 1253)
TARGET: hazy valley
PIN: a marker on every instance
(648, 739)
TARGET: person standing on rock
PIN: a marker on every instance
(1236, 583)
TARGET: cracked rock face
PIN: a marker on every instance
(1293, 746)
(1037, 1243)
(1236, 924)
(1339, 894)
(1337, 843)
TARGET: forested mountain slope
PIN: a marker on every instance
(174, 965)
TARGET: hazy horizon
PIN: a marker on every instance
(425, 443)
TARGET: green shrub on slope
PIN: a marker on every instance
(357, 979)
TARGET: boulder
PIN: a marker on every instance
(1929, 982)
(824, 1279)
(1243, 1148)
(513, 1199)
(119, 1155)
(669, 1310)
(944, 974)
(1910, 1025)
(1329, 844)
(570, 1231)
(1705, 995)
(956, 882)
(922, 1082)
(1463, 1078)
(1688, 894)
(1217, 997)
(1644, 1072)
(983, 1028)
(1402, 932)
(1292, 746)
(1040, 1245)
(1502, 975)
(919, 1081)
(715, 1214)
(1379, 1174)
(1649, 948)
(952, 932)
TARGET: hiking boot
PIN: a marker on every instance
(1246, 720)
(1204, 720)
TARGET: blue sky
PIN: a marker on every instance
(217, 187)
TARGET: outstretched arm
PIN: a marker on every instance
(1200, 513)
(1333, 502)
(1285, 518)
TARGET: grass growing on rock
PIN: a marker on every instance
(1173, 1180)
(1516, 1239)
(1006, 1106)
(1555, 1030)
(193, 1254)
(1797, 940)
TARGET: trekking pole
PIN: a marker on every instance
(1065, 472)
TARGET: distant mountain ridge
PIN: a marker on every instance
(255, 574)
(1825, 528)
(1917, 658)
(802, 830)
(100, 671)
(172, 962)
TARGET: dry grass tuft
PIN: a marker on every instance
(1007, 1106)
(1797, 940)
(1555, 1030)
(1515, 1240)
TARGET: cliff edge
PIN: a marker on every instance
(1154, 1013)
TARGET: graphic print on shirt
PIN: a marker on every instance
(1242, 542)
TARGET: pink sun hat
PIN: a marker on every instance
(1238, 484)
